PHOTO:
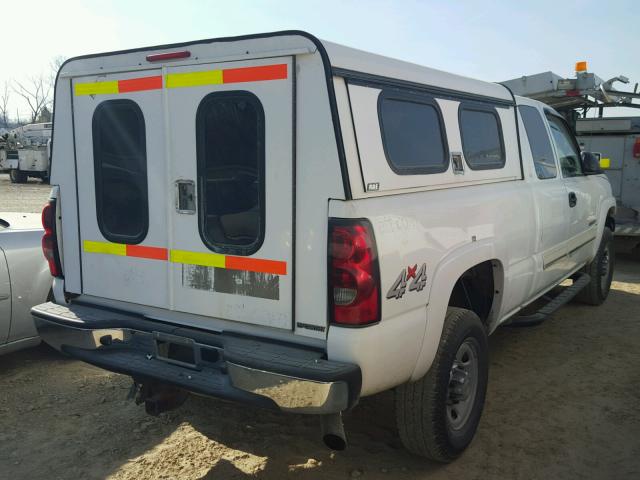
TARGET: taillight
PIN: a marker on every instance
(636, 148)
(354, 275)
(49, 239)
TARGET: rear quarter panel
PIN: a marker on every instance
(449, 231)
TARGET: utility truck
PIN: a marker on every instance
(616, 140)
(292, 224)
(26, 151)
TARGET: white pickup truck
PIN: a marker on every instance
(293, 224)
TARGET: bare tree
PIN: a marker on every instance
(37, 94)
(4, 106)
(55, 64)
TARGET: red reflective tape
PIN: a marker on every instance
(275, 267)
(140, 84)
(255, 74)
(153, 253)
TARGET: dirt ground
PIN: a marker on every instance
(562, 403)
(27, 197)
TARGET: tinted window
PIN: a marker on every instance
(230, 139)
(538, 142)
(566, 149)
(120, 166)
(413, 135)
(481, 138)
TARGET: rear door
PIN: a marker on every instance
(122, 186)
(231, 148)
(582, 193)
(550, 196)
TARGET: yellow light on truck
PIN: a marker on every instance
(605, 163)
(581, 66)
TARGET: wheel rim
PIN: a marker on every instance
(605, 269)
(463, 385)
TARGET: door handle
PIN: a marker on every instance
(573, 199)
(185, 196)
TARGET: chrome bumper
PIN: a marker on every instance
(239, 373)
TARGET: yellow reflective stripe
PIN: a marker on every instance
(96, 88)
(105, 247)
(195, 258)
(194, 79)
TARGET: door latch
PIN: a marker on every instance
(185, 196)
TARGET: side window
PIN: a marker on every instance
(230, 149)
(568, 153)
(120, 166)
(539, 142)
(412, 134)
(482, 142)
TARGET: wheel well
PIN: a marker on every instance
(476, 289)
(610, 222)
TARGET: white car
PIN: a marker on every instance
(293, 224)
(24, 279)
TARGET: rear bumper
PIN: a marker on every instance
(223, 365)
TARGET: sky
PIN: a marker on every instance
(487, 40)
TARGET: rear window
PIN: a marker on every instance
(230, 142)
(412, 134)
(539, 142)
(120, 166)
(482, 142)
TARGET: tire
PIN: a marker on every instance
(17, 176)
(424, 409)
(601, 272)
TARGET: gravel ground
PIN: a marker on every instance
(27, 197)
(562, 403)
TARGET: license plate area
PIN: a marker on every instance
(177, 350)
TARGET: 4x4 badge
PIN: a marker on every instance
(418, 281)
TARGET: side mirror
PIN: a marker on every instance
(591, 163)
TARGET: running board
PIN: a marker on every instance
(579, 282)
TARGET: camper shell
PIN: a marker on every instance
(242, 217)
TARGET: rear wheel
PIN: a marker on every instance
(438, 415)
(601, 272)
(17, 176)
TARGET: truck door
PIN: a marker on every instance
(550, 196)
(122, 186)
(582, 193)
(231, 169)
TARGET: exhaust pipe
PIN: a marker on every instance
(333, 431)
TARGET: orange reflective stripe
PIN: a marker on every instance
(208, 259)
(140, 84)
(256, 265)
(185, 79)
(255, 74)
(152, 253)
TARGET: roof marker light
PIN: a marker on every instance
(581, 66)
(159, 57)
